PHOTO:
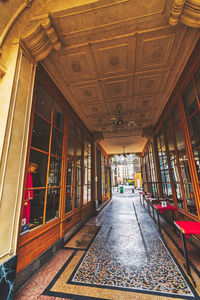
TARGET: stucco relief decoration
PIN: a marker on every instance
(187, 12)
(40, 38)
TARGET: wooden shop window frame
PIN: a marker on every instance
(43, 79)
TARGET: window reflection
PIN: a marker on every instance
(71, 127)
(175, 116)
(41, 159)
(40, 134)
(77, 196)
(43, 103)
(79, 135)
(70, 169)
(197, 162)
(78, 154)
(68, 199)
(189, 99)
(52, 208)
(58, 116)
(37, 207)
(85, 194)
(56, 142)
(194, 129)
(185, 174)
(54, 178)
(70, 149)
(197, 82)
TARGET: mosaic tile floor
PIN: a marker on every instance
(127, 256)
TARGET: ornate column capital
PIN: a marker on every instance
(40, 38)
(187, 12)
(147, 132)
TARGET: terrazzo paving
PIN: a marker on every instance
(126, 261)
(128, 253)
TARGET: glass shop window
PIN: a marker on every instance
(197, 84)
(191, 106)
(190, 100)
(87, 171)
(175, 116)
(70, 176)
(175, 172)
(78, 174)
(167, 126)
(71, 125)
(164, 169)
(43, 183)
(185, 174)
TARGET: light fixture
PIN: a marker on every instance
(124, 153)
(118, 122)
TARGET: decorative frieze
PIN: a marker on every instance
(187, 12)
(40, 38)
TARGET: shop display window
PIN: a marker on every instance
(43, 182)
(55, 167)
(164, 168)
(87, 171)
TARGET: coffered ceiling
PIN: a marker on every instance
(119, 52)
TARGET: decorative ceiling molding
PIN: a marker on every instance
(40, 38)
(3, 70)
(187, 11)
(26, 4)
(148, 132)
(97, 136)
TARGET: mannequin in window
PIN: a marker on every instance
(28, 197)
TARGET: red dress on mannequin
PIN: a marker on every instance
(28, 197)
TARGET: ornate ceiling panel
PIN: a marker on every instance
(87, 92)
(119, 87)
(158, 48)
(149, 83)
(119, 52)
(95, 108)
(76, 64)
(115, 56)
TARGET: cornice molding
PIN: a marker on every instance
(187, 12)
(40, 38)
(3, 70)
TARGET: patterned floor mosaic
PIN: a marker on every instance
(127, 256)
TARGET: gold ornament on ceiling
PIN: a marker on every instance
(76, 67)
(157, 53)
(114, 60)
